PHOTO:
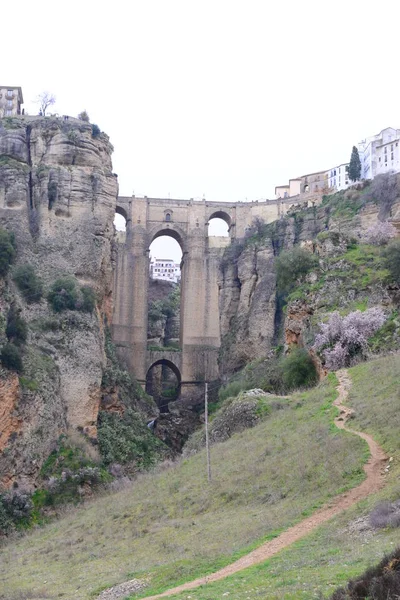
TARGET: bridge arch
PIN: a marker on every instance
(163, 383)
(169, 229)
(166, 363)
(121, 211)
(220, 214)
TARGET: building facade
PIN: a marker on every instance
(338, 177)
(165, 269)
(11, 100)
(380, 153)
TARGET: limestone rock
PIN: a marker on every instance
(58, 195)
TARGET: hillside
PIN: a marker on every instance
(171, 526)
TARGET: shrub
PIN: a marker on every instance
(299, 370)
(343, 338)
(392, 259)
(83, 116)
(377, 583)
(63, 294)
(6, 524)
(383, 190)
(7, 251)
(386, 514)
(88, 299)
(29, 283)
(380, 233)
(95, 130)
(16, 329)
(11, 357)
(291, 265)
(18, 505)
(127, 439)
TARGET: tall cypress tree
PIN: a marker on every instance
(355, 165)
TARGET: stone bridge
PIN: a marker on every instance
(187, 222)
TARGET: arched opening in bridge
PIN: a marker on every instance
(120, 221)
(219, 224)
(163, 382)
(164, 296)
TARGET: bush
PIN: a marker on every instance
(380, 233)
(383, 190)
(299, 370)
(95, 130)
(292, 265)
(378, 583)
(89, 299)
(28, 283)
(386, 514)
(391, 255)
(83, 116)
(11, 357)
(127, 439)
(15, 509)
(16, 329)
(7, 251)
(63, 294)
(343, 338)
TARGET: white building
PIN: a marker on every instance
(10, 101)
(165, 269)
(338, 177)
(380, 153)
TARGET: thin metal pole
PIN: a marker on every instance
(207, 440)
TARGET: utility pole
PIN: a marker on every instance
(207, 440)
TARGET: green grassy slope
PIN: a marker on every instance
(174, 526)
(343, 548)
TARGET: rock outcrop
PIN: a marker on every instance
(58, 196)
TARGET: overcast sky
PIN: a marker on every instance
(223, 99)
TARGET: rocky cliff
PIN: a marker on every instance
(58, 196)
(251, 311)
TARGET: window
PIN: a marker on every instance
(8, 113)
(10, 93)
(168, 216)
(9, 103)
(379, 159)
(392, 156)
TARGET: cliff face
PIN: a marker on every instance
(58, 195)
(251, 314)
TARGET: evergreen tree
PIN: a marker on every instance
(355, 165)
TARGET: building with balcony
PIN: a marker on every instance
(165, 269)
(11, 100)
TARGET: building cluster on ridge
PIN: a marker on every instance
(378, 154)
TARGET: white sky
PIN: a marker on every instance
(217, 98)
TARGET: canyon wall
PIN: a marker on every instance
(58, 196)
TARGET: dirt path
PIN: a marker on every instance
(374, 470)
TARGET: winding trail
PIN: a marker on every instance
(374, 470)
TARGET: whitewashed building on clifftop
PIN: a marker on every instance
(380, 153)
(11, 100)
(338, 177)
(165, 269)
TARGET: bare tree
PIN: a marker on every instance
(45, 99)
